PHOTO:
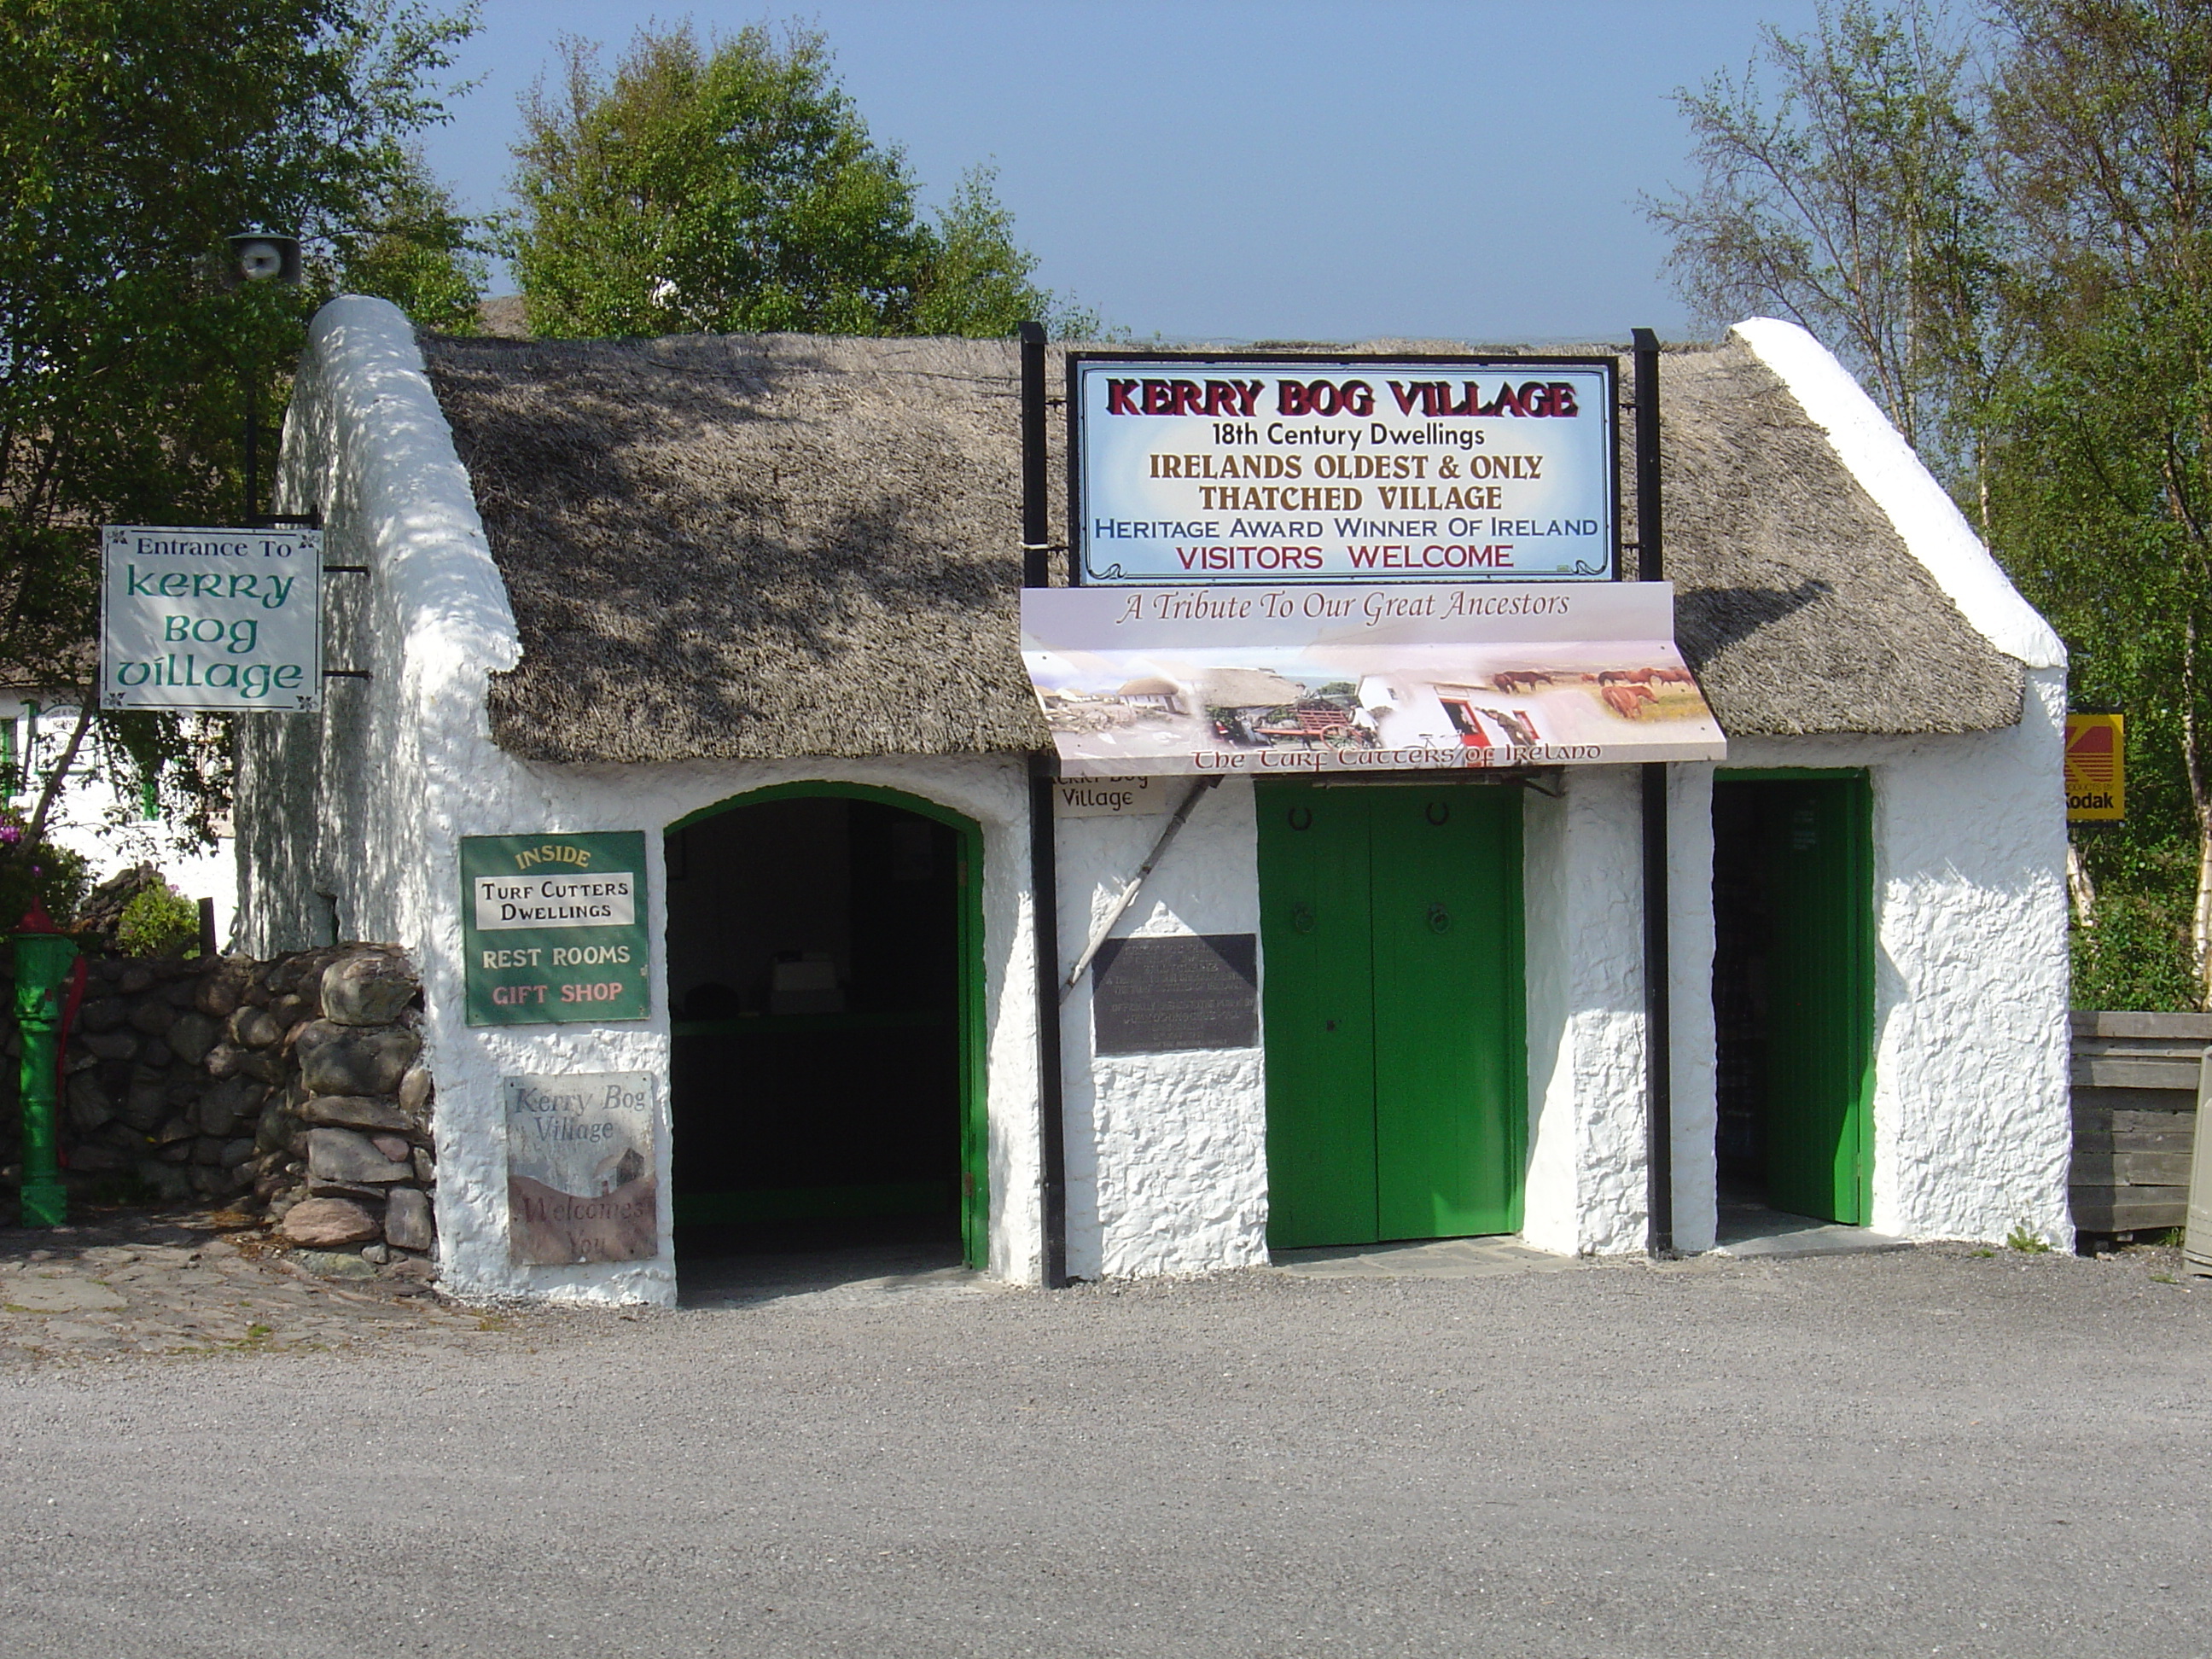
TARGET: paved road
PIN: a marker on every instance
(1925, 1453)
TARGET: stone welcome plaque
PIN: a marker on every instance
(582, 1184)
(1158, 996)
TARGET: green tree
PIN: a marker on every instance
(2018, 262)
(735, 188)
(2102, 111)
(137, 135)
(418, 250)
(1854, 202)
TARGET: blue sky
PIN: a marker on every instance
(1225, 171)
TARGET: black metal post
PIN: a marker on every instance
(1036, 528)
(252, 443)
(1044, 853)
(1052, 1150)
(1658, 1001)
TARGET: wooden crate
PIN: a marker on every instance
(2134, 1118)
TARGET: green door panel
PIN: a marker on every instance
(1820, 1049)
(1319, 1013)
(1396, 1066)
(1448, 1001)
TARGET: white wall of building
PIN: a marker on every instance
(1167, 1154)
(99, 816)
(1972, 1108)
(354, 823)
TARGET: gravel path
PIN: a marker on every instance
(1935, 1451)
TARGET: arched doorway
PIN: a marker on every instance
(824, 952)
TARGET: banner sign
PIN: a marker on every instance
(553, 928)
(582, 1183)
(210, 619)
(1192, 469)
(2096, 768)
(1362, 678)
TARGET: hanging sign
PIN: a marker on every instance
(583, 1182)
(2096, 768)
(553, 928)
(210, 619)
(1283, 680)
(1267, 470)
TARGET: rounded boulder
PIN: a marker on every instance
(354, 1060)
(369, 989)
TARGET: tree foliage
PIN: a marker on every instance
(735, 188)
(137, 135)
(2006, 227)
(1853, 200)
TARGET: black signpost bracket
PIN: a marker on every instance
(311, 519)
(347, 674)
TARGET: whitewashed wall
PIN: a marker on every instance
(1972, 1125)
(368, 807)
(1583, 898)
(1167, 1154)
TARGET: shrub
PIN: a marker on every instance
(160, 922)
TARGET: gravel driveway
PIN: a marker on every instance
(1931, 1452)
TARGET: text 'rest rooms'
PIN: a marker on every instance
(1497, 472)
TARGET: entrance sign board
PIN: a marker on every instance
(583, 1182)
(1284, 681)
(210, 619)
(553, 928)
(1190, 469)
(2096, 768)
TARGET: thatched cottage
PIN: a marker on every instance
(754, 602)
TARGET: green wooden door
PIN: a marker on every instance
(1818, 875)
(1320, 1008)
(1446, 894)
(1396, 1069)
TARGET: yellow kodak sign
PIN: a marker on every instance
(2096, 768)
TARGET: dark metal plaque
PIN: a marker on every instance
(1154, 996)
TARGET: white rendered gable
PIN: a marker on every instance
(1922, 512)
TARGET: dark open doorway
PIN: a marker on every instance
(1792, 991)
(824, 1083)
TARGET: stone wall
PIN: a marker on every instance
(290, 1087)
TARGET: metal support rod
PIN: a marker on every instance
(1099, 933)
(42, 964)
(1658, 1000)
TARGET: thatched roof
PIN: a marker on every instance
(1249, 688)
(1797, 603)
(752, 546)
(759, 546)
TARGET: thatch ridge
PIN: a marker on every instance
(760, 546)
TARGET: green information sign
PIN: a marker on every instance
(553, 927)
